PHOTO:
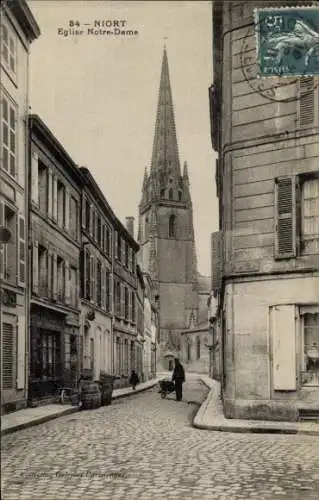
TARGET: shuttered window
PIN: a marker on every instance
(310, 216)
(7, 355)
(307, 101)
(2, 247)
(285, 216)
(35, 267)
(35, 178)
(21, 251)
(283, 332)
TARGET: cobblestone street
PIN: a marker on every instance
(144, 447)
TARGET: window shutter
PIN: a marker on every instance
(91, 221)
(111, 294)
(307, 92)
(50, 278)
(92, 280)
(103, 288)
(67, 209)
(21, 344)
(2, 247)
(35, 267)
(217, 266)
(7, 355)
(130, 305)
(35, 178)
(122, 288)
(55, 277)
(50, 193)
(21, 251)
(67, 282)
(115, 244)
(283, 325)
(55, 198)
(123, 252)
(83, 212)
(285, 217)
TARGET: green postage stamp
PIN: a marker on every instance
(287, 41)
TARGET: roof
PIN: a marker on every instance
(118, 224)
(44, 134)
(25, 18)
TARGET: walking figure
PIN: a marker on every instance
(179, 378)
(134, 380)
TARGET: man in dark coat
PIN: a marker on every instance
(179, 378)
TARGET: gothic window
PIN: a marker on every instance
(179, 195)
(146, 228)
(162, 193)
(198, 348)
(172, 226)
(170, 194)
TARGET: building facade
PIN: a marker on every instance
(54, 241)
(266, 255)
(125, 346)
(166, 233)
(18, 30)
(97, 278)
(141, 347)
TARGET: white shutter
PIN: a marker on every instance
(21, 250)
(283, 326)
(50, 193)
(285, 216)
(103, 298)
(83, 212)
(2, 246)
(21, 345)
(130, 305)
(122, 300)
(92, 278)
(111, 294)
(35, 267)
(35, 178)
(67, 209)
(67, 282)
(55, 277)
(115, 244)
(55, 198)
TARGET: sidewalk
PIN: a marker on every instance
(33, 416)
(210, 417)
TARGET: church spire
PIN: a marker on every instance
(165, 157)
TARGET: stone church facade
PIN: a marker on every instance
(166, 232)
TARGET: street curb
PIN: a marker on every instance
(247, 430)
(119, 396)
(40, 420)
(69, 411)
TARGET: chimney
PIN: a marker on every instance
(130, 225)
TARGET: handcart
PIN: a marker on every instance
(166, 387)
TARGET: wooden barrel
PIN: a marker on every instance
(90, 395)
(106, 385)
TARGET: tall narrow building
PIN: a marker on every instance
(166, 232)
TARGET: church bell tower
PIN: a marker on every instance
(166, 232)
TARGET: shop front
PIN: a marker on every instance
(55, 352)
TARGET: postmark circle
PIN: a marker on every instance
(268, 86)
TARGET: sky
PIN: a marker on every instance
(98, 95)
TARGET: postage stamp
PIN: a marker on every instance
(287, 41)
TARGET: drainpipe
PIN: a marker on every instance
(27, 200)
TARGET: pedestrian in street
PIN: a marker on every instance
(179, 378)
(134, 380)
